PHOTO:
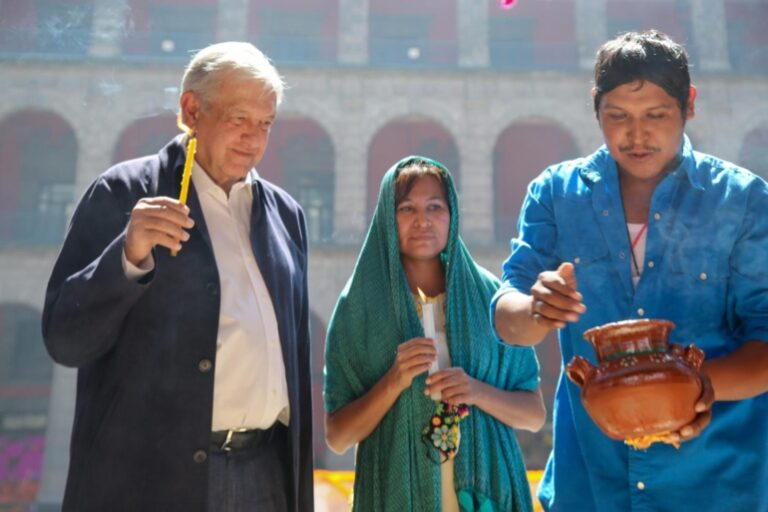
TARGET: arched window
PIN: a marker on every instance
(145, 136)
(300, 158)
(408, 136)
(522, 151)
(38, 151)
(25, 384)
(404, 33)
(754, 151)
(533, 35)
(169, 28)
(46, 26)
(672, 18)
(295, 31)
(24, 358)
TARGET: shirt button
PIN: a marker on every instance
(605, 213)
(622, 255)
(703, 276)
(640, 485)
(212, 289)
(200, 456)
(204, 365)
(577, 260)
(657, 216)
(651, 264)
(640, 312)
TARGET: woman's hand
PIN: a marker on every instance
(454, 386)
(355, 421)
(518, 409)
(413, 358)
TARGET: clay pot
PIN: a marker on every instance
(642, 385)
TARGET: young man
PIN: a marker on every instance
(193, 384)
(647, 228)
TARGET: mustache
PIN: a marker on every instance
(639, 149)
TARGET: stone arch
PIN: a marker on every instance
(39, 152)
(407, 136)
(301, 158)
(522, 151)
(145, 136)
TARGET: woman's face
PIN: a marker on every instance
(423, 220)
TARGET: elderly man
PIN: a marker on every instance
(646, 227)
(189, 324)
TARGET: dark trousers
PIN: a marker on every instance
(253, 479)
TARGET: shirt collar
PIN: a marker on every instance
(205, 185)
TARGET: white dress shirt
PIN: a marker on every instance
(250, 389)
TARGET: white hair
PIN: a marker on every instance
(207, 68)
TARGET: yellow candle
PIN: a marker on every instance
(185, 178)
(187, 175)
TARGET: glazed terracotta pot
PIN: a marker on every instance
(642, 385)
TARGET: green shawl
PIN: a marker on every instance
(374, 314)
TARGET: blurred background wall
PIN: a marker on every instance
(494, 94)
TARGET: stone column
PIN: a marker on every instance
(476, 150)
(710, 34)
(232, 22)
(353, 32)
(591, 30)
(108, 28)
(61, 412)
(351, 193)
(472, 19)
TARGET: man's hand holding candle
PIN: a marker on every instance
(156, 221)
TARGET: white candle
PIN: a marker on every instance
(428, 321)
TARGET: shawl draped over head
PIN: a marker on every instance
(374, 314)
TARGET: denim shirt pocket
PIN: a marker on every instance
(698, 282)
(588, 251)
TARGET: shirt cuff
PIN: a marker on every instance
(134, 272)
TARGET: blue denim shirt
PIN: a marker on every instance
(706, 269)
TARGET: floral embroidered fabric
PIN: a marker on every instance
(443, 433)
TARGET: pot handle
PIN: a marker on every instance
(694, 356)
(580, 371)
(691, 354)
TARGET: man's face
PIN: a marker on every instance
(643, 128)
(232, 129)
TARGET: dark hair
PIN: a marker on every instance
(641, 56)
(411, 173)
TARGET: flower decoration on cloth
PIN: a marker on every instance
(443, 434)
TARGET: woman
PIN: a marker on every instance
(377, 392)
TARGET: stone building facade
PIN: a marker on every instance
(350, 100)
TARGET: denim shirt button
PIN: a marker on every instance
(657, 216)
(651, 264)
(640, 312)
(605, 213)
(577, 260)
(640, 485)
(703, 276)
(622, 255)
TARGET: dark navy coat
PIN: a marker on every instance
(142, 424)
